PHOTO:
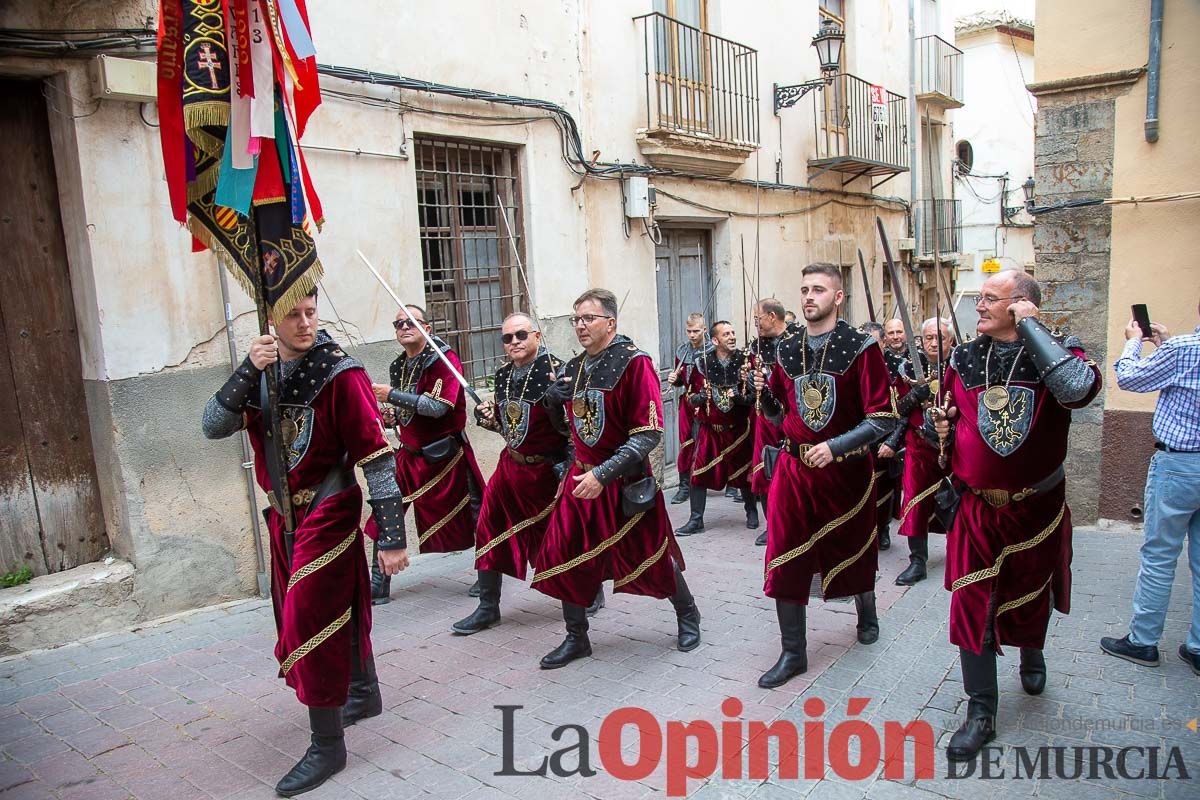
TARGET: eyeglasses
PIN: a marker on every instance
(588, 319)
(990, 300)
(520, 336)
(400, 324)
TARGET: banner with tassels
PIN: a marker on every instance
(237, 82)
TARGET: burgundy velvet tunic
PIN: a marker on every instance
(724, 437)
(922, 475)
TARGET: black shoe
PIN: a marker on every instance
(761, 541)
(597, 604)
(970, 738)
(885, 539)
(364, 700)
(576, 644)
(793, 660)
(488, 613)
(381, 585)
(913, 573)
(694, 525)
(325, 758)
(682, 493)
(733, 494)
(751, 516)
(1033, 670)
(1146, 655)
(868, 620)
(1192, 659)
(686, 612)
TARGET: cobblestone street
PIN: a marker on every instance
(190, 708)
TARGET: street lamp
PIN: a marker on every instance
(1027, 188)
(828, 42)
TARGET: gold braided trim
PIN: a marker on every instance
(515, 529)
(441, 523)
(757, 467)
(419, 493)
(643, 429)
(884, 499)
(323, 560)
(911, 504)
(375, 455)
(893, 395)
(723, 453)
(436, 394)
(882, 415)
(796, 552)
(645, 565)
(829, 576)
(595, 551)
(738, 473)
(688, 443)
(994, 570)
(315, 642)
(1020, 601)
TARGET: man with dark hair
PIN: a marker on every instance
(723, 437)
(770, 326)
(829, 392)
(685, 366)
(435, 464)
(610, 522)
(1005, 422)
(319, 585)
(874, 330)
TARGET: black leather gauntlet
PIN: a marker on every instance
(240, 387)
(388, 514)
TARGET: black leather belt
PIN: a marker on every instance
(1168, 449)
(337, 481)
(521, 458)
(997, 498)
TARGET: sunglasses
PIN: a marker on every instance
(399, 324)
(520, 336)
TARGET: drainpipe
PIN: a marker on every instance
(264, 584)
(914, 124)
(1153, 69)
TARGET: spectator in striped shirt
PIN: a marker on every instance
(1172, 488)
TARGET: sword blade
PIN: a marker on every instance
(862, 266)
(898, 293)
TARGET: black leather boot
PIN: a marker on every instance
(918, 555)
(761, 541)
(576, 645)
(474, 503)
(979, 681)
(598, 603)
(325, 758)
(687, 614)
(868, 620)
(793, 660)
(885, 534)
(695, 523)
(683, 490)
(1033, 670)
(751, 509)
(381, 585)
(487, 613)
(364, 700)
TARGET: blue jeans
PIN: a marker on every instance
(1172, 515)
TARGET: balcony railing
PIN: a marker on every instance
(941, 74)
(949, 228)
(699, 84)
(860, 130)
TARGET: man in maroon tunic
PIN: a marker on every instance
(922, 473)
(829, 392)
(724, 435)
(435, 464)
(889, 456)
(1008, 553)
(685, 365)
(769, 323)
(320, 590)
(520, 495)
(610, 522)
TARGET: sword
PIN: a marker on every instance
(939, 278)
(437, 350)
(512, 242)
(867, 286)
(901, 305)
(941, 379)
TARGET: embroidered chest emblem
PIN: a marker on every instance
(515, 419)
(816, 397)
(587, 412)
(1004, 422)
(296, 424)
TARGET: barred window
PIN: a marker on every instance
(471, 278)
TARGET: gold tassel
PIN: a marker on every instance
(298, 290)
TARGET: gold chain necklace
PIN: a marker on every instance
(814, 398)
(512, 408)
(995, 398)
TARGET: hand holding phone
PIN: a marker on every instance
(1142, 317)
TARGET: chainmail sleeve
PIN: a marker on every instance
(218, 422)
(1071, 382)
(420, 404)
(628, 456)
(380, 473)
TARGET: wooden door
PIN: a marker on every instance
(50, 515)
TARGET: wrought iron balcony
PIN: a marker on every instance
(861, 130)
(940, 81)
(701, 98)
(949, 227)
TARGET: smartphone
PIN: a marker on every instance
(1142, 317)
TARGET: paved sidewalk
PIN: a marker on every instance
(190, 707)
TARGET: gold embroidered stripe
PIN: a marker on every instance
(1020, 601)
(738, 473)
(313, 643)
(723, 453)
(645, 565)
(884, 499)
(829, 576)
(440, 399)
(796, 552)
(994, 570)
(419, 493)
(757, 467)
(323, 560)
(375, 455)
(643, 429)
(911, 504)
(688, 443)
(441, 523)
(882, 415)
(595, 551)
(515, 529)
